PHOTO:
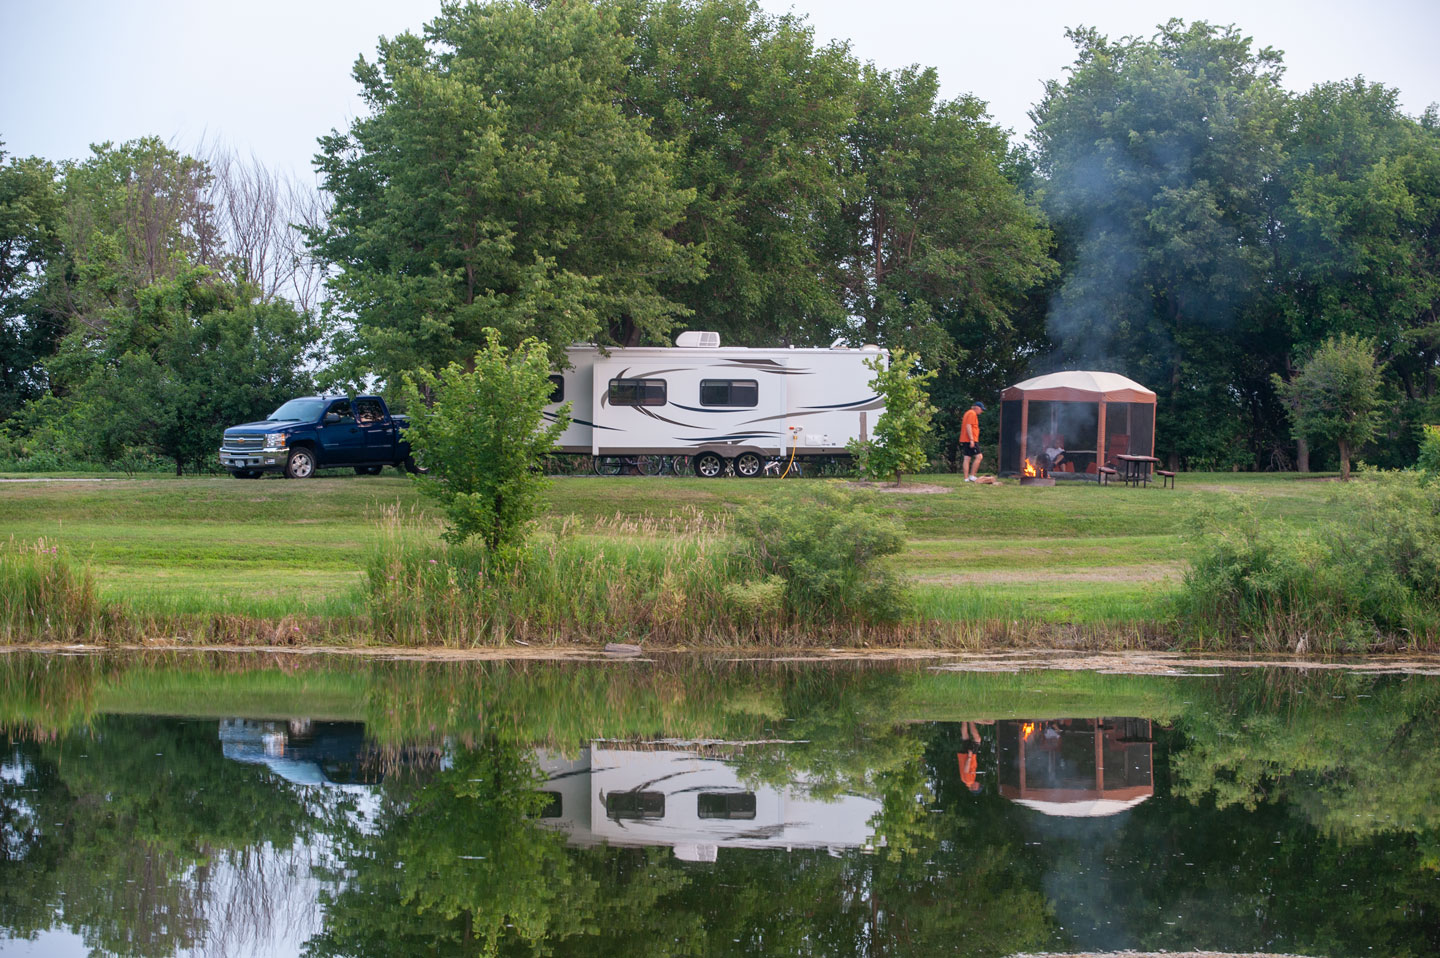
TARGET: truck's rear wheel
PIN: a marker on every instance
(301, 464)
(709, 465)
(748, 465)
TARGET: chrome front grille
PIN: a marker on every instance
(243, 443)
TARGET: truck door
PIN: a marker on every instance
(377, 428)
(341, 442)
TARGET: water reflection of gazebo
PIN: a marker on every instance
(1076, 767)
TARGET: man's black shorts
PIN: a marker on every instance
(969, 449)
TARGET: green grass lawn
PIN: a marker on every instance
(1075, 553)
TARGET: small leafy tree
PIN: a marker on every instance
(481, 436)
(1335, 395)
(903, 429)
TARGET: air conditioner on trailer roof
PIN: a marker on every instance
(698, 339)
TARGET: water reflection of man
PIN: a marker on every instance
(969, 754)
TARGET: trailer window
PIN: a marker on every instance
(637, 392)
(729, 392)
(737, 806)
(557, 388)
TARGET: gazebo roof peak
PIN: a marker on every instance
(1081, 385)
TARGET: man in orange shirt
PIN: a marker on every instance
(970, 441)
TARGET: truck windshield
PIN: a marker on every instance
(298, 410)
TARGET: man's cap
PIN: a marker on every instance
(979, 405)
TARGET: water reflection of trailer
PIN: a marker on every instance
(683, 796)
(718, 404)
(1076, 768)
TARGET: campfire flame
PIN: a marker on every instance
(1029, 468)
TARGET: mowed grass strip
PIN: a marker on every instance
(1074, 553)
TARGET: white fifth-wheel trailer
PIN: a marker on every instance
(725, 407)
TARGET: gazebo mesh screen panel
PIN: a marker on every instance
(1130, 421)
(1070, 425)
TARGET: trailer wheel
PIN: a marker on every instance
(709, 465)
(748, 465)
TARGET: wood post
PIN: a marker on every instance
(1101, 446)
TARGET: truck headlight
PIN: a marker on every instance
(275, 440)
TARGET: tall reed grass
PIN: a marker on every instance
(562, 586)
(44, 597)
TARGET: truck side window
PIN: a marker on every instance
(557, 388)
(729, 392)
(340, 408)
(369, 411)
(637, 392)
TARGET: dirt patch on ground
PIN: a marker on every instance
(919, 488)
(1155, 572)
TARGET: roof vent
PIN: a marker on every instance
(698, 339)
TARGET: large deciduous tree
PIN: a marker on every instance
(30, 214)
(497, 182)
(1157, 153)
(195, 356)
(933, 241)
(754, 116)
(1356, 237)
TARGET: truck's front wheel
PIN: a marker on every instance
(300, 465)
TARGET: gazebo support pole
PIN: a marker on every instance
(1024, 432)
(1101, 446)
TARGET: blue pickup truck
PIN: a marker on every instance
(318, 432)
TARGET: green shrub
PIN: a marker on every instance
(829, 545)
(1370, 574)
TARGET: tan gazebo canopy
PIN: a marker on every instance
(1104, 415)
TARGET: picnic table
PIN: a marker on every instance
(1137, 469)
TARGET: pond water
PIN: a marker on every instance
(236, 804)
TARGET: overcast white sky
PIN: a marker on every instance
(269, 76)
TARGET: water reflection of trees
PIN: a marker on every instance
(1273, 792)
(141, 838)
